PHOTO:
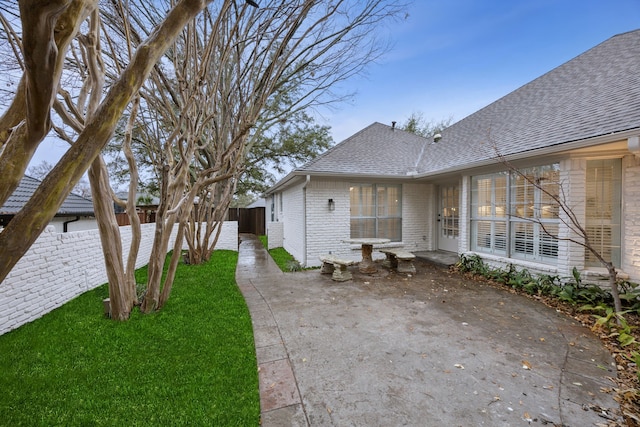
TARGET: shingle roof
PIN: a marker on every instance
(597, 93)
(376, 150)
(73, 204)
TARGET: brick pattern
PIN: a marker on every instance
(61, 266)
(419, 207)
(275, 234)
(631, 216)
(327, 229)
(292, 215)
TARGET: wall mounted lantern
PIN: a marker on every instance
(332, 205)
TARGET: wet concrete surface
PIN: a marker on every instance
(428, 349)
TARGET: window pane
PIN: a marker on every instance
(483, 234)
(523, 238)
(603, 207)
(390, 228)
(548, 241)
(394, 207)
(362, 227)
(500, 237)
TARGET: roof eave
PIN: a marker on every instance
(290, 180)
(546, 151)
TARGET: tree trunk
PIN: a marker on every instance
(29, 223)
(44, 52)
(173, 266)
(613, 283)
(120, 298)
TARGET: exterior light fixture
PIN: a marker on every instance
(332, 205)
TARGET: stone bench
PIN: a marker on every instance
(336, 266)
(399, 259)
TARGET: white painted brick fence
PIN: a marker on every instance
(61, 266)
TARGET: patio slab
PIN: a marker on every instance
(426, 349)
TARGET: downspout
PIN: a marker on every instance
(64, 224)
(304, 220)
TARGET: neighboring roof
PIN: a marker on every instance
(72, 205)
(376, 150)
(260, 203)
(593, 95)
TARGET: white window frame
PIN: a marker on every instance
(496, 220)
(378, 211)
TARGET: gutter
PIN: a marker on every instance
(553, 149)
(304, 220)
(65, 224)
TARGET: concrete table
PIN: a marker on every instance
(367, 265)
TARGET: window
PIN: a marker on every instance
(603, 201)
(534, 213)
(449, 213)
(489, 213)
(376, 211)
(515, 215)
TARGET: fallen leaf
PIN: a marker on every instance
(542, 340)
(459, 366)
(526, 365)
(527, 417)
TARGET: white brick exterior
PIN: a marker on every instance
(419, 208)
(631, 216)
(324, 230)
(327, 229)
(292, 215)
(61, 266)
(275, 234)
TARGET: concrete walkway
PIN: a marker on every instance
(431, 349)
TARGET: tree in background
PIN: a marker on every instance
(418, 124)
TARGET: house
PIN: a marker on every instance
(576, 128)
(75, 213)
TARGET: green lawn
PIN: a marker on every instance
(283, 259)
(192, 363)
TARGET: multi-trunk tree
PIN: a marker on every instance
(209, 100)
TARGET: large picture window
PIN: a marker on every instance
(514, 214)
(376, 211)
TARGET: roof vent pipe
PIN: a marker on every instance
(393, 125)
(437, 137)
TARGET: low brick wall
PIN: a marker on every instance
(61, 266)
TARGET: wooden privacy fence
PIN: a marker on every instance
(250, 220)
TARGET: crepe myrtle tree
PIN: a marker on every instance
(48, 28)
(555, 200)
(226, 82)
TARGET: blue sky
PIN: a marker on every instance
(452, 57)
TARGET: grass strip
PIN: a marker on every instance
(192, 363)
(283, 259)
